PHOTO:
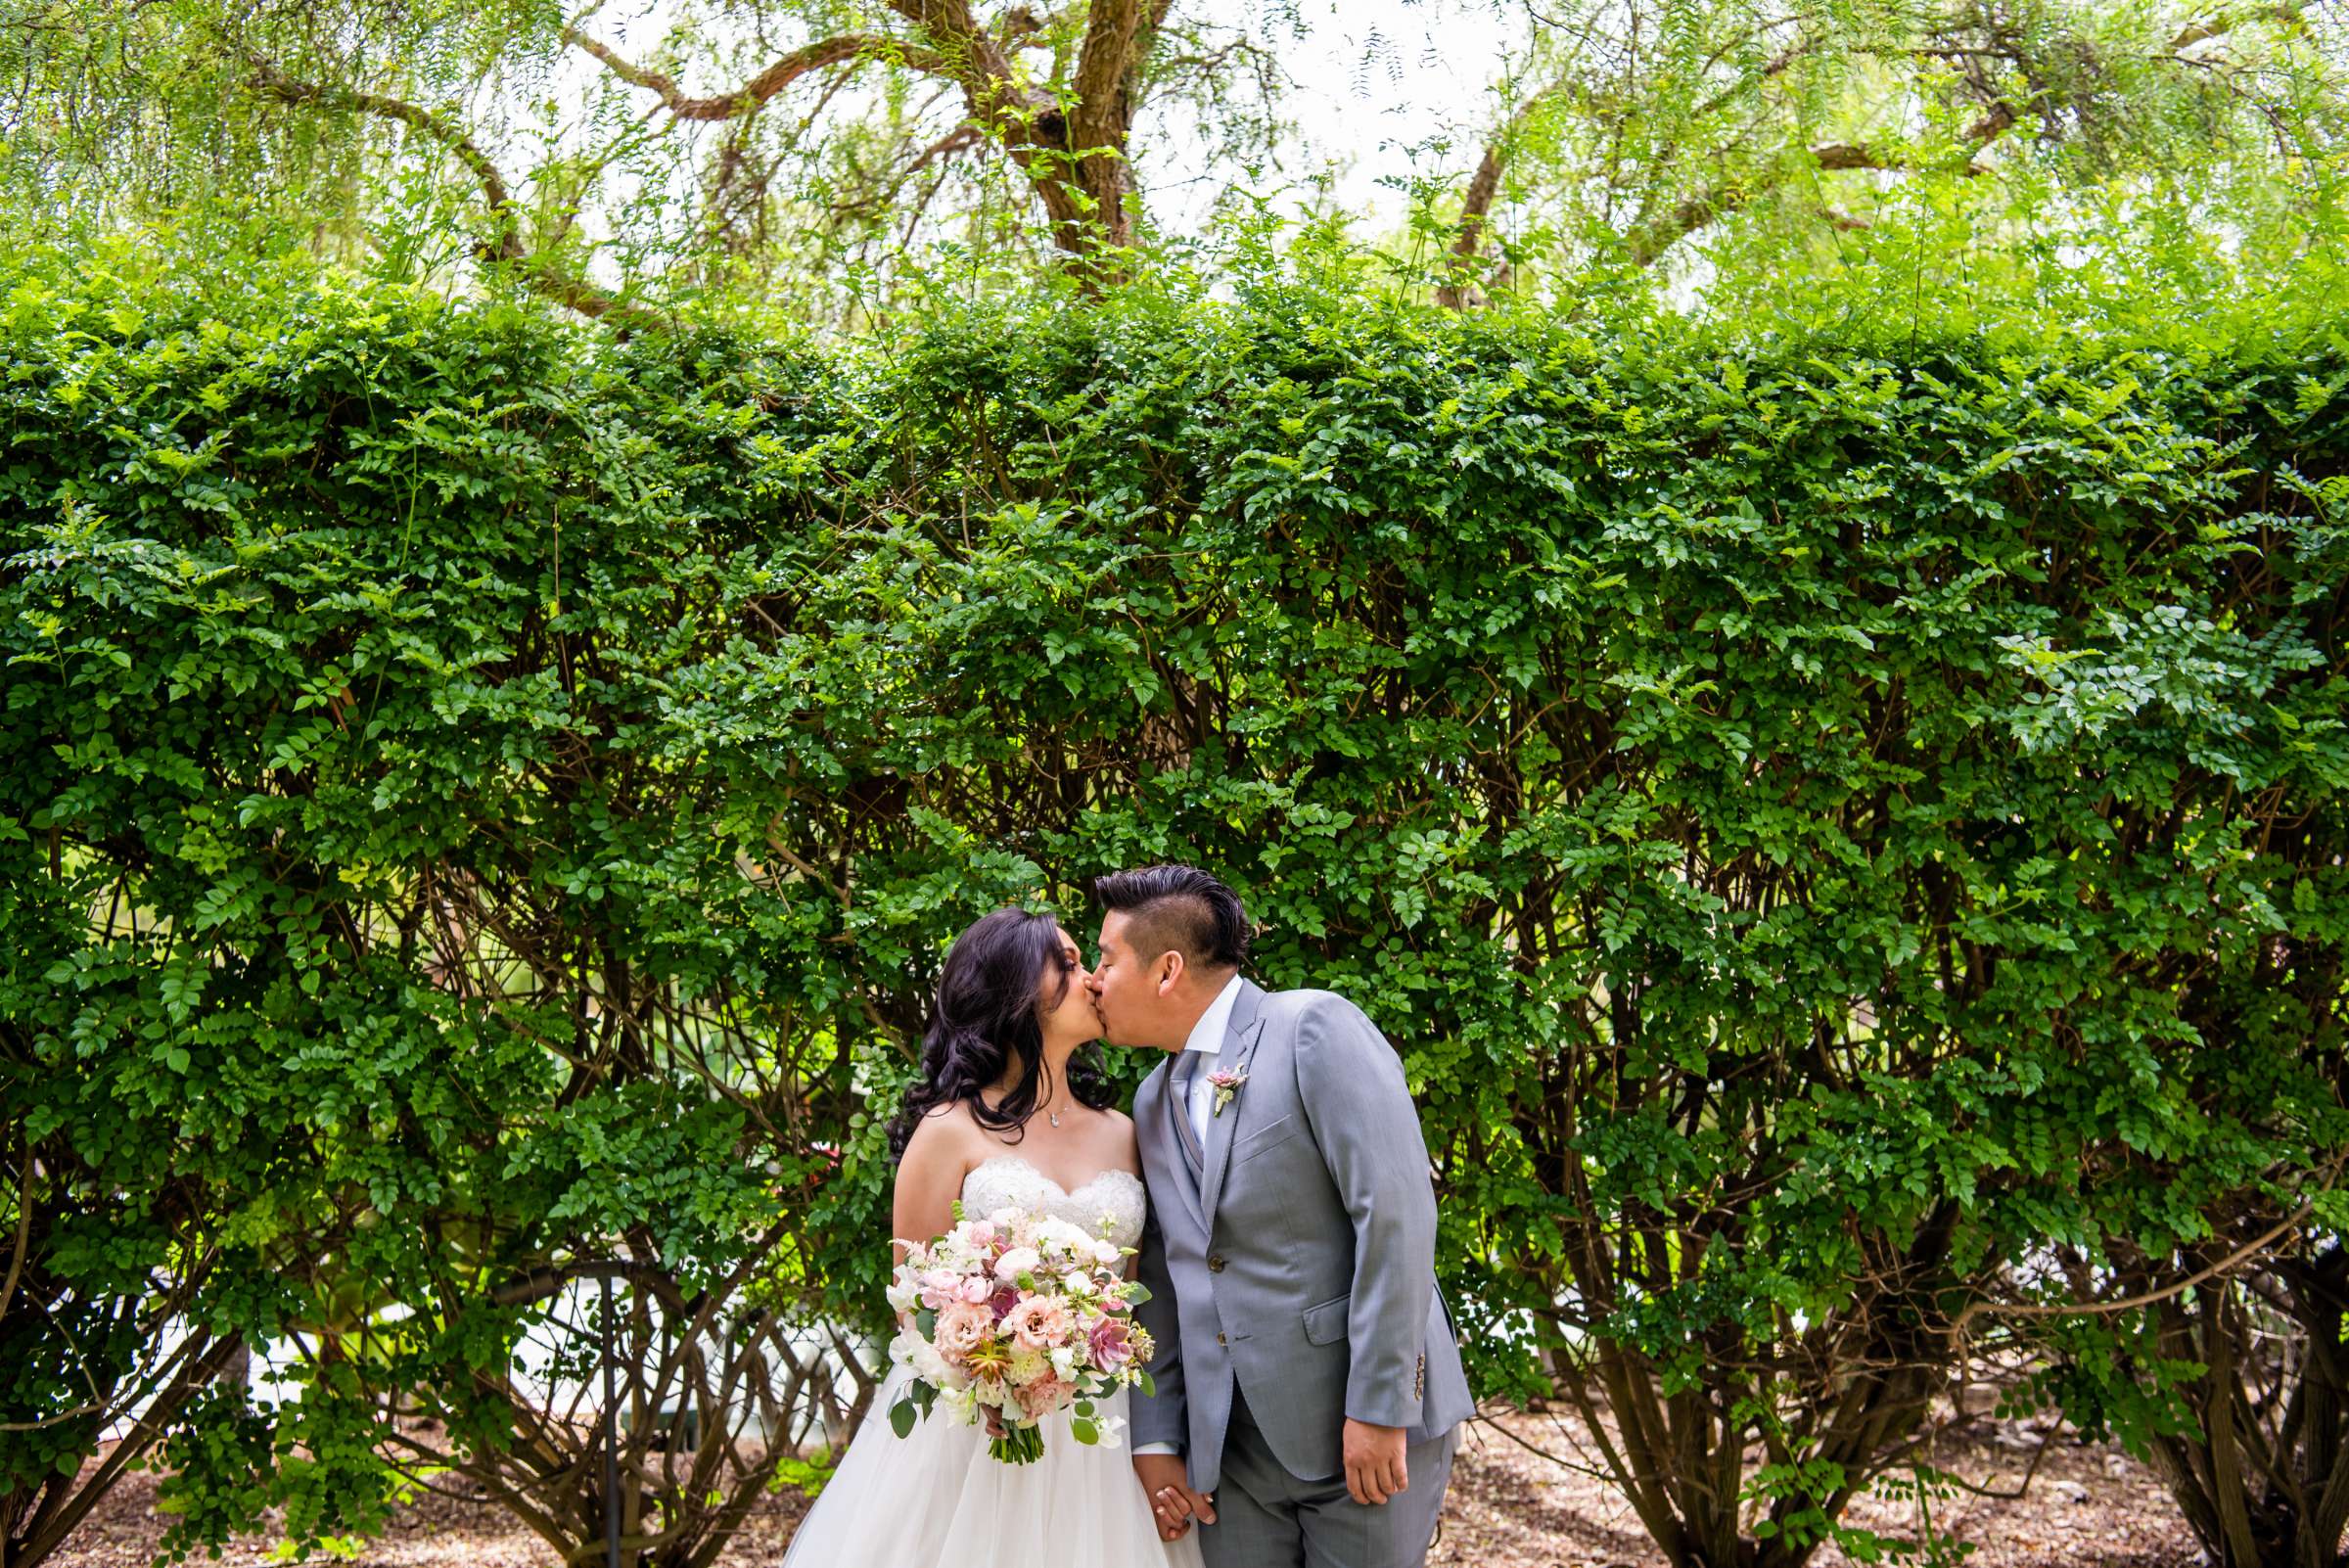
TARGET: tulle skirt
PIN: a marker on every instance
(935, 1498)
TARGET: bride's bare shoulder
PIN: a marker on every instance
(1121, 1131)
(944, 1134)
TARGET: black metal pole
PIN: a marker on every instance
(611, 1442)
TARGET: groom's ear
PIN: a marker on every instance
(1170, 971)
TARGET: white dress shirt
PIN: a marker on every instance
(1207, 1038)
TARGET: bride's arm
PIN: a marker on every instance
(929, 1180)
(1158, 1420)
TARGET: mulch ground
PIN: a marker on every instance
(2085, 1506)
(1521, 1498)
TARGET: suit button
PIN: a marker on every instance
(1215, 1265)
(1219, 1339)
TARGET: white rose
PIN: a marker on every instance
(1106, 1253)
(909, 1348)
(1017, 1262)
(1061, 1236)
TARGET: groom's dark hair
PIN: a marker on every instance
(1178, 908)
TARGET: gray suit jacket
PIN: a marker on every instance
(1294, 1254)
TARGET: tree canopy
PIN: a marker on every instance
(810, 154)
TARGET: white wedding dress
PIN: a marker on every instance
(937, 1498)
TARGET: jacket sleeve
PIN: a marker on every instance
(1360, 1108)
(1159, 1418)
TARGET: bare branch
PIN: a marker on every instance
(285, 89)
(2241, 1255)
(2195, 32)
(22, 1246)
(1484, 186)
(753, 94)
(968, 51)
(1648, 244)
(1476, 205)
(504, 247)
(539, 1284)
(1776, 66)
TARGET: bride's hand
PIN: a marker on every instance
(1173, 1505)
(994, 1421)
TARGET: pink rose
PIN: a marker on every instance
(974, 1290)
(1039, 1323)
(981, 1233)
(1042, 1397)
(962, 1328)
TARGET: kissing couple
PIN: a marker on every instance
(1275, 1186)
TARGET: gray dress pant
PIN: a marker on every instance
(1267, 1518)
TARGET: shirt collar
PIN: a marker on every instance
(1206, 1035)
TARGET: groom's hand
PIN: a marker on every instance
(1172, 1504)
(1374, 1463)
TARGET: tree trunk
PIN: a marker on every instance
(2265, 1482)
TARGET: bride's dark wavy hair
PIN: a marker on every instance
(984, 1017)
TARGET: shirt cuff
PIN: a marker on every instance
(1141, 1448)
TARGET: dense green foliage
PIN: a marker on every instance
(1846, 831)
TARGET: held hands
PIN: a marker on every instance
(1374, 1462)
(1172, 1504)
(1375, 1472)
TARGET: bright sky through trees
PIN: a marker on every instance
(1372, 82)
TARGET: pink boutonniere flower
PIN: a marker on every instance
(1227, 1084)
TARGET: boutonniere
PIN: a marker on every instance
(1227, 1084)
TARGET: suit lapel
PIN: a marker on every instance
(1240, 1035)
(1178, 1109)
(1174, 1086)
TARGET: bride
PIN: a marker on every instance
(999, 1120)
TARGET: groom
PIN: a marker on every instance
(1309, 1388)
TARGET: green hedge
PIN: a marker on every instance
(1831, 825)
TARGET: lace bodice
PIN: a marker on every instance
(1006, 1181)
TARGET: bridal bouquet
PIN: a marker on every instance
(1022, 1315)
